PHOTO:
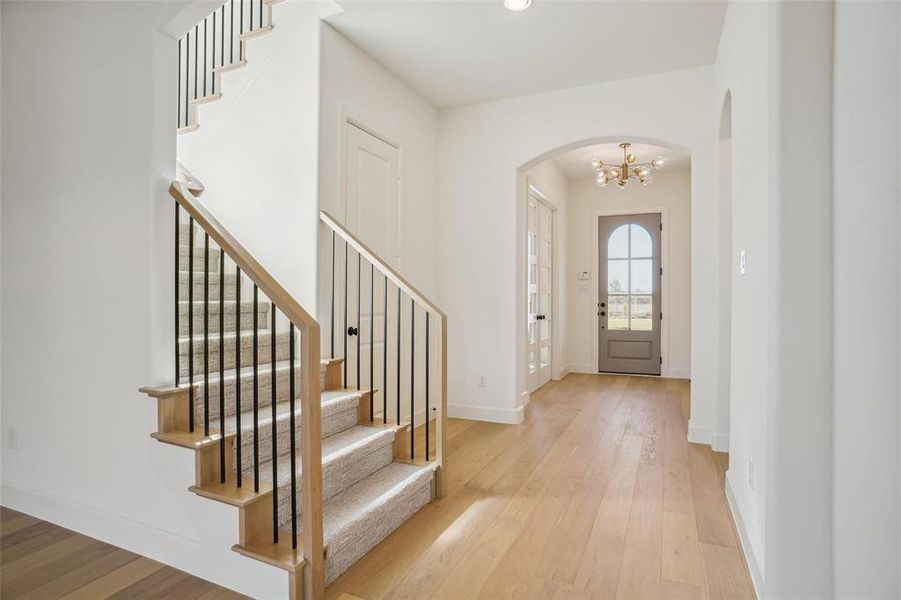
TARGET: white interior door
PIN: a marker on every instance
(540, 249)
(373, 213)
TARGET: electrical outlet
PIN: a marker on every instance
(751, 474)
(12, 439)
(483, 383)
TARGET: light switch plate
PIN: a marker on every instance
(584, 275)
(742, 263)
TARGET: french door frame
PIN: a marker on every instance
(533, 190)
(664, 280)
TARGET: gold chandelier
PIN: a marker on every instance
(629, 169)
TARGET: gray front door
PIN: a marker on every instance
(629, 294)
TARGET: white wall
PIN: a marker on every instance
(485, 151)
(257, 152)
(742, 68)
(867, 548)
(671, 191)
(88, 150)
(554, 187)
(354, 87)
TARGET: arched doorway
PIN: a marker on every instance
(720, 441)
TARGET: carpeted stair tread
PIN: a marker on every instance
(368, 511)
(347, 457)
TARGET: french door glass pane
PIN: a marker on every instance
(642, 307)
(640, 244)
(618, 243)
(618, 313)
(641, 281)
(617, 276)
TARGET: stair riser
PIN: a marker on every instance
(330, 426)
(231, 291)
(246, 317)
(198, 260)
(264, 352)
(264, 397)
(336, 477)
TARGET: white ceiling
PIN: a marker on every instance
(576, 164)
(469, 51)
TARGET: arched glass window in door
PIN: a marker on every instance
(630, 281)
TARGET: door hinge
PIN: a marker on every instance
(661, 360)
(661, 316)
(661, 271)
(661, 227)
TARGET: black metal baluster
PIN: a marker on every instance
(191, 321)
(292, 438)
(397, 382)
(196, 54)
(187, 86)
(177, 278)
(412, 376)
(345, 315)
(334, 258)
(359, 314)
(261, 13)
(231, 33)
(206, 334)
(239, 347)
(427, 368)
(241, 22)
(205, 45)
(222, 37)
(371, 341)
(385, 357)
(274, 455)
(178, 115)
(213, 74)
(222, 363)
(256, 394)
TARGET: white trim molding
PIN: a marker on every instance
(735, 507)
(699, 435)
(486, 413)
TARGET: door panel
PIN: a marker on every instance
(540, 248)
(629, 294)
(372, 212)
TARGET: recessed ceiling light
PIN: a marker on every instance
(517, 5)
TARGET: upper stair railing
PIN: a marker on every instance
(403, 359)
(201, 322)
(212, 47)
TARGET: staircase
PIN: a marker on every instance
(319, 464)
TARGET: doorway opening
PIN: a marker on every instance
(620, 294)
(720, 441)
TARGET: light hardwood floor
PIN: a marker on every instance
(41, 560)
(596, 494)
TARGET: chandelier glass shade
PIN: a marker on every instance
(629, 169)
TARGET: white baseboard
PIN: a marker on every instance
(561, 373)
(720, 442)
(584, 369)
(212, 561)
(486, 413)
(676, 373)
(735, 507)
(699, 435)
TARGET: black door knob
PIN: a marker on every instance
(603, 314)
(603, 304)
(352, 331)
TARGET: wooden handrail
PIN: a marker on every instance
(386, 269)
(313, 577)
(441, 359)
(271, 288)
(192, 183)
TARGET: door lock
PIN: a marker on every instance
(352, 331)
